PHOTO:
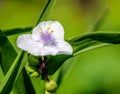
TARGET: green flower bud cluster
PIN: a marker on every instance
(51, 86)
(36, 67)
(32, 66)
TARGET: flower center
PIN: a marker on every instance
(47, 38)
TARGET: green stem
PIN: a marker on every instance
(46, 10)
(43, 58)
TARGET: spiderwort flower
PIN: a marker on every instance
(47, 38)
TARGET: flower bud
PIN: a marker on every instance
(51, 86)
(35, 74)
(34, 61)
(30, 69)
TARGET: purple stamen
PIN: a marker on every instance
(47, 39)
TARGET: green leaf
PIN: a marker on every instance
(7, 56)
(7, 82)
(12, 77)
(29, 88)
(17, 31)
(55, 62)
(22, 83)
(93, 40)
(99, 21)
(39, 85)
(8, 53)
(82, 44)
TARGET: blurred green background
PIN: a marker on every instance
(93, 72)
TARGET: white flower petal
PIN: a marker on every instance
(41, 27)
(26, 43)
(47, 38)
(64, 48)
(55, 28)
(48, 50)
(58, 30)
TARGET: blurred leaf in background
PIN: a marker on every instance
(93, 72)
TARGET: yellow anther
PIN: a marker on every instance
(52, 30)
(40, 29)
(48, 28)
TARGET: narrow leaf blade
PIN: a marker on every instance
(17, 31)
(94, 40)
(7, 82)
(7, 56)
(7, 51)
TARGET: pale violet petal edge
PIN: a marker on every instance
(58, 30)
(64, 48)
(26, 43)
(48, 50)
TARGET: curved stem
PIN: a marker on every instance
(43, 58)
